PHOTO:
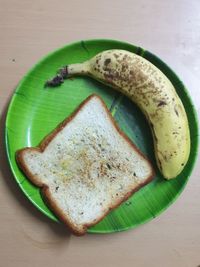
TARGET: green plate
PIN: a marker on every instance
(35, 111)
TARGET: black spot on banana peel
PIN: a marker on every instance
(155, 95)
(161, 103)
(107, 61)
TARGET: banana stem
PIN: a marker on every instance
(66, 72)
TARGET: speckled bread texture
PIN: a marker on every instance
(86, 166)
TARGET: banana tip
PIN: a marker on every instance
(58, 79)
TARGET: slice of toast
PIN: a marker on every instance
(86, 167)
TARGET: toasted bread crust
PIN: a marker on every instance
(45, 189)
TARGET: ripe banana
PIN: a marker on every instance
(155, 95)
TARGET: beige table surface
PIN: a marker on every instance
(31, 29)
